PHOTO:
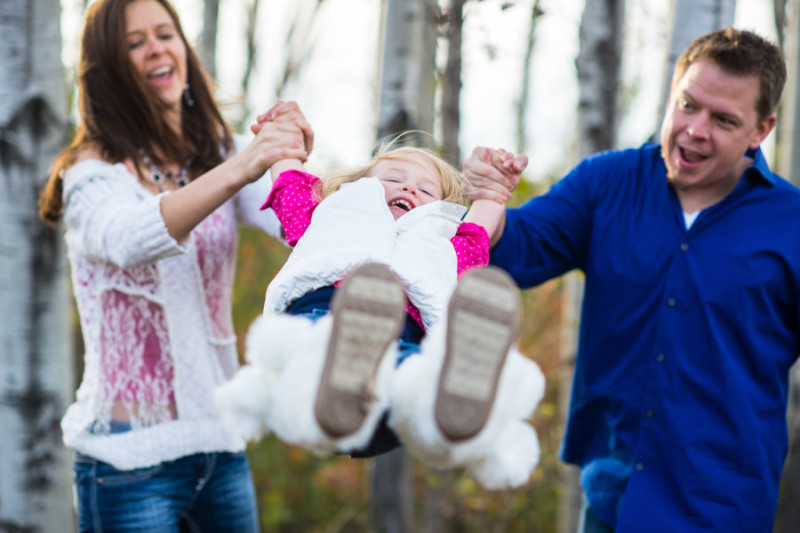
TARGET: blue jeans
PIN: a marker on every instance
(205, 492)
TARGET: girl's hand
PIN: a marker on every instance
(286, 112)
(491, 174)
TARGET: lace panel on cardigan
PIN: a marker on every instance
(136, 363)
(215, 239)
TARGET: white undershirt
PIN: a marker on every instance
(689, 218)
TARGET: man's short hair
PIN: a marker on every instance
(741, 53)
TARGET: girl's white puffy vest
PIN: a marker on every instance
(354, 226)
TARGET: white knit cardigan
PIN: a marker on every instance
(140, 292)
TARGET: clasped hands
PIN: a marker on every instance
(489, 174)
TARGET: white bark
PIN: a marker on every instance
(451, 83)
(779, 8)
(599, 65)
(408, 82)
(788, 161)
(36, 374)
(691, 19)
(525, 86)
(788, 165)
(208, 37)
(299, 44)
(407, 91)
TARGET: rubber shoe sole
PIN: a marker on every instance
(368, 314)
(482, 322)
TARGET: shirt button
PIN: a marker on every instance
(684, 246)
(649, 414)
(639, 467)
(660, 358)
(671, 302)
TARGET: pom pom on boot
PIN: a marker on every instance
(245, 400)
(464, 400)
(332, 394)
(273, 339)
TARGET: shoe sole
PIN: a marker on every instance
(368, 315)
(482, 322)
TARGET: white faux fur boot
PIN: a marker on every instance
(245, 400)
(292, 416)
(332, 396)
(324, 385)
(464, 399)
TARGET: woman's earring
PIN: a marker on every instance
(187, 96)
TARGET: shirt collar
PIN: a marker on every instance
(759, 166)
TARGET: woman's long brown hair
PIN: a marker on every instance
(120, 116)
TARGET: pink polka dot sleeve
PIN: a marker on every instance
(471, 243)
(294, 196)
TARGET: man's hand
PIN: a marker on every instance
(491, 174)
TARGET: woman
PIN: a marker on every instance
(151, 191)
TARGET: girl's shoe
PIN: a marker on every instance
(464, 401)
(482, 324)
(368, 313)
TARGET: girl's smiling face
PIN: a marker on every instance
(408, 183)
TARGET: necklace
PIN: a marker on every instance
(158, 175)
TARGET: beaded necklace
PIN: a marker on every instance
(158, 175)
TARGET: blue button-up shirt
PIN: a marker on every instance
(686, 336)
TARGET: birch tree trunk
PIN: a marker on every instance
(208, 37)
(439, 485)
(525, 86)
(788, 165)
(407, 92)
(779, 11)
(691, 19)
(451, 84)
(36, 368)
(408, 66)
(250, 58)
(599, 66)
(788, 161)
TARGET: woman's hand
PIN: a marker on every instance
(286, 136)
(491, 174)
(287, 113)
(274, 141)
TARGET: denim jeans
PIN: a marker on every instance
(206, 492)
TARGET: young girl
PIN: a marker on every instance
(384, 251)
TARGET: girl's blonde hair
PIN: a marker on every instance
(449, 176)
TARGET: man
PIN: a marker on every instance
(691, 253)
